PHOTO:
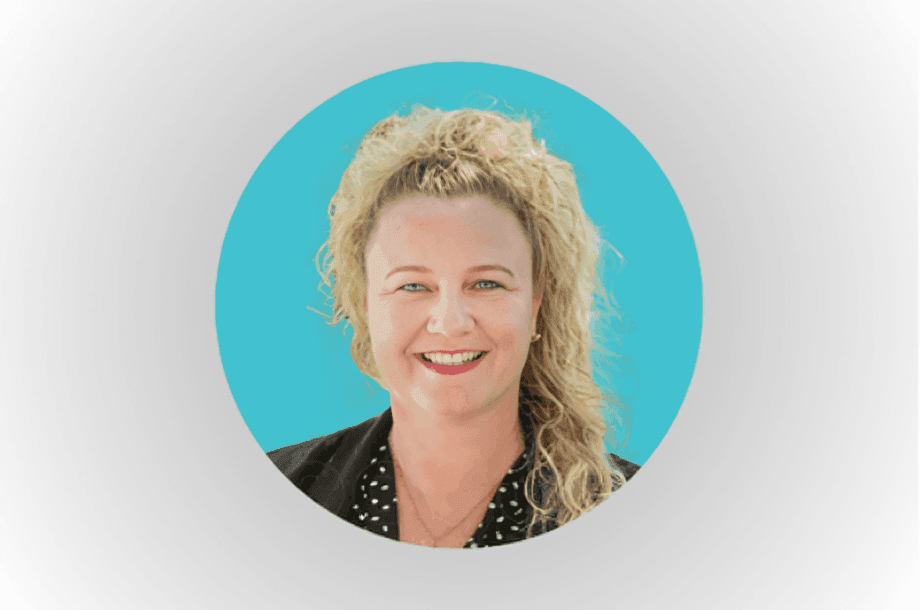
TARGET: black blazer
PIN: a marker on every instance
(327, 468)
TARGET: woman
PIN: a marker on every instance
(461, 256)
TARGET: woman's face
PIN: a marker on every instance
(446, 276)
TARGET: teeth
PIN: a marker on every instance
(451, 359)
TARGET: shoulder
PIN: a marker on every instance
(318, 450)
(322, 467)
(626, 467)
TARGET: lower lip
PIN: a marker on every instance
(446, 369)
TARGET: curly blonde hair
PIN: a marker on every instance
(472, 152)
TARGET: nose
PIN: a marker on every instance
(450, 316)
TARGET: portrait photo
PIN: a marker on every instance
(459, 305)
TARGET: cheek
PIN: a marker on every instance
(390, 329)
(511, 327)
(516, 316)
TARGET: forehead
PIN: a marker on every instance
(466, 231)
(474, 218)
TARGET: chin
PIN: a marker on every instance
(456, 404)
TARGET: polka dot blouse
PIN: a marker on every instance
(506, 519)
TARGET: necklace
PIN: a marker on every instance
(434, 539)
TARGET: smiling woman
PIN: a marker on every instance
(461, 256)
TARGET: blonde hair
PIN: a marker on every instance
(472, 152)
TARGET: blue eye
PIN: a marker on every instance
(416, 287)
(496, 284)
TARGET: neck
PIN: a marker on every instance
(434, 447)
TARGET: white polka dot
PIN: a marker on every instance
(513, 503)
(498, 535)
(361, 517)
(514, 528)
(355, 507)
(382, 469)
(373, 500)
(502, 489)
(386, 506)
(473, 546)
(373, 460)
(500, 519)
(385, 487)
(375, 518)
(365, 495)
(373, 483)
(491, 504)
(385, 528)
(362, 488)
(515, 484)
(383, 448)
(364, 477)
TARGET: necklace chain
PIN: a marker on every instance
(435, 539)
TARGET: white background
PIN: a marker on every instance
(128, 131)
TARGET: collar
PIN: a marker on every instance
(506, 518)
(327, 469)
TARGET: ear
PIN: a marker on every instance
(537, 301)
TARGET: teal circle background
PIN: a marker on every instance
(292, 375)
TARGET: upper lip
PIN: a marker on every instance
(455, 351)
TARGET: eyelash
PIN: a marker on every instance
(497, 285)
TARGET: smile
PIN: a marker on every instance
(452, 368)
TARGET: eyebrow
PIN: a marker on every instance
(420, 269)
